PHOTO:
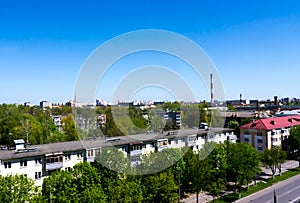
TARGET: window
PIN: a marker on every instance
(259, 133)
(246, 139)
(274, 139)
(67, 157)
(97, 151)
(54, 159)
(23, 163)
(192, 139)
(259, 147)
(38, 175)
(79, 155)
(246, 132)
(68, 168)
(136, 147)
(7, 164)
(38, 161)
(259, 141)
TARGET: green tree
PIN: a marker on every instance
(18, 188)
(126, 190)
(60, 187)
(239, 169)
(113, 159)
(69, 129)
(88, 183)
(217, 161)
(273, 158)
(294, 141)
(159, 187)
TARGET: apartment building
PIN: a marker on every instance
(265, 133)
(37, 162)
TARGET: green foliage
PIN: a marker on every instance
(113, 159)
(18, 188)
(216, 120)
(156, 123)
(293, 142)
(231, 108)
(124, 121)
(233, 124)
(241, 170)
(81, 184)
(18, 122)
(69, 129)
(273, 158)
(159, 187)
(171, 106)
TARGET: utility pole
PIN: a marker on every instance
(178, 184)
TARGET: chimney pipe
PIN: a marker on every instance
(211, 89)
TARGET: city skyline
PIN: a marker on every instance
(253, 45)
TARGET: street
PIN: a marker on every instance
(286, 191)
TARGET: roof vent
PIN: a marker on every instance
(272, 122)
(19, 144)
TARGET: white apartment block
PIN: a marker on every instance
(37, 162)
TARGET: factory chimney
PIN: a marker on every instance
(211, 89)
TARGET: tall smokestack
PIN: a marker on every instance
(211, 89)
(240, 98)
(275, 100)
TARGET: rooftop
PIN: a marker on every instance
(98, 142)
(273, 123)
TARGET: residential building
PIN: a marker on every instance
(268, 132)
(37, 162)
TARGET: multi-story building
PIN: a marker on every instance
(265, 133)
(57, 122)
(37, 162)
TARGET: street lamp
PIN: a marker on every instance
(274, 192)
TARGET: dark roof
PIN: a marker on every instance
(43, 149)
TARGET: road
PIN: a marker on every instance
(286, 191)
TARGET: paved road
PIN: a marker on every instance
(286, 191)
(267, 194)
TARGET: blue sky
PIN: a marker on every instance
(43, 44)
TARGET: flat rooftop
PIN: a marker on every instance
(40, 150)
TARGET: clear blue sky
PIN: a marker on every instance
(254, 44)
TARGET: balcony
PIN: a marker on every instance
(53, 166)
(90, 159)
(162, 147)
(136, 152)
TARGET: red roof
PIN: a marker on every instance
(273, 123)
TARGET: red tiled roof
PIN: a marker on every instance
(273, 123)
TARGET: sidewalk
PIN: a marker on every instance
(205, 197)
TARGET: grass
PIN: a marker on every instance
(260, 186)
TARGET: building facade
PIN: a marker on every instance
(38, 162)
(265, 133)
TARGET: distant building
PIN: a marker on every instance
(288, 113)
(57, 122)
(28, 104)
(268, 132)
(45, 104)
(101, 119)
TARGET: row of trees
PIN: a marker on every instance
(36, 124)
(33, 124)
